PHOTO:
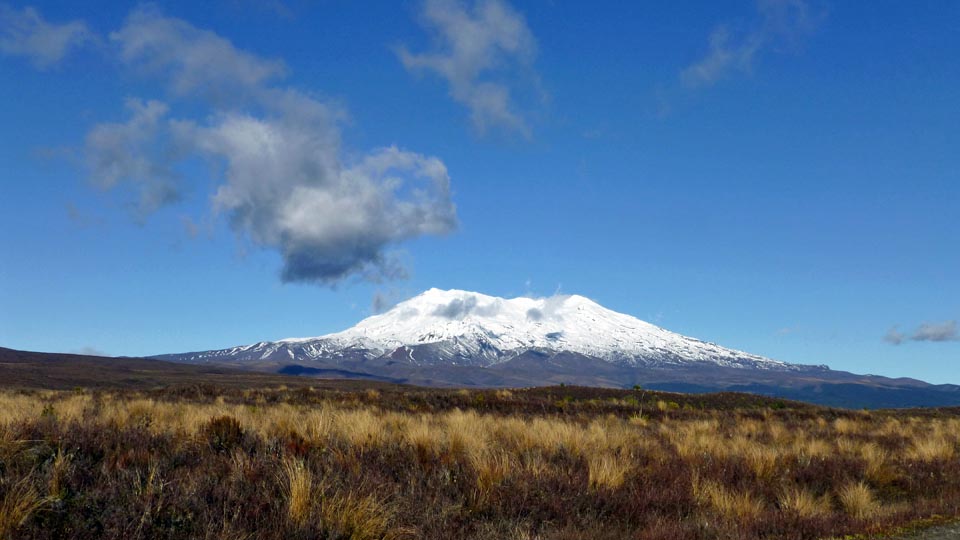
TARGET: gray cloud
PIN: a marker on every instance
(328, 220)
(534, 314)
(283, 180)
(780, 23)
(936, 332)
(894, 336)
(26, 33)
(945, 331)
(477, 49)
(191, 59)
(133, 153)
(380, 303)
(457, 308)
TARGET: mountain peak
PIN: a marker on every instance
(456, 327)
(477, 328)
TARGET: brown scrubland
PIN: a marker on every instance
(393, 462)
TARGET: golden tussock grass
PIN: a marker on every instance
(18, 504)
(875, 460)
(490, 468)
(360, 428)
(846, 426)
(297, 485)
(727, 503)
(805, 450)
(607, 471)
(59, 468)
(858, 500)
(356, 517)
(382, 462)
(932, 448)
(761, 459)
(804, 503)
(18, 407)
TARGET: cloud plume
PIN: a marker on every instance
(26, 33)
(477, 49)
(458, 308)
(283, 180)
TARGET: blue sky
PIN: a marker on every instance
(780, 176)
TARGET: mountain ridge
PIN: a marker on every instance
(467, 328)
(461, 338)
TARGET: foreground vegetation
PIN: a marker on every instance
(557, 463)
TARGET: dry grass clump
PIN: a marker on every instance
(932, 448)
(356, 517)
(858, 500)
(18, 504)
(805, 450)
(728, 503)
(360, 428)
(762, 459)
(846, 426)
(804, 503)
(298, 489)
(59, 469)
(490, 468)
(18, 407)
(607, 471)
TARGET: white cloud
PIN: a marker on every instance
(286, 188)
(26, 33)
(478, 49)
(779, 22)
(283, 180)
(722, 58)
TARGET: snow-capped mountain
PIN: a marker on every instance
(462, 328)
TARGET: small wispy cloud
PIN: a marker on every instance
(81, 218)
(935, 332)
(479, 49)
(382, 301)
(894, 336)
(731, 49)
(129, 153)
(26, 33)
(192, 61)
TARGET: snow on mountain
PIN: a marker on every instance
(467, 328)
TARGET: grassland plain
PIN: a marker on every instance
(213, 462)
